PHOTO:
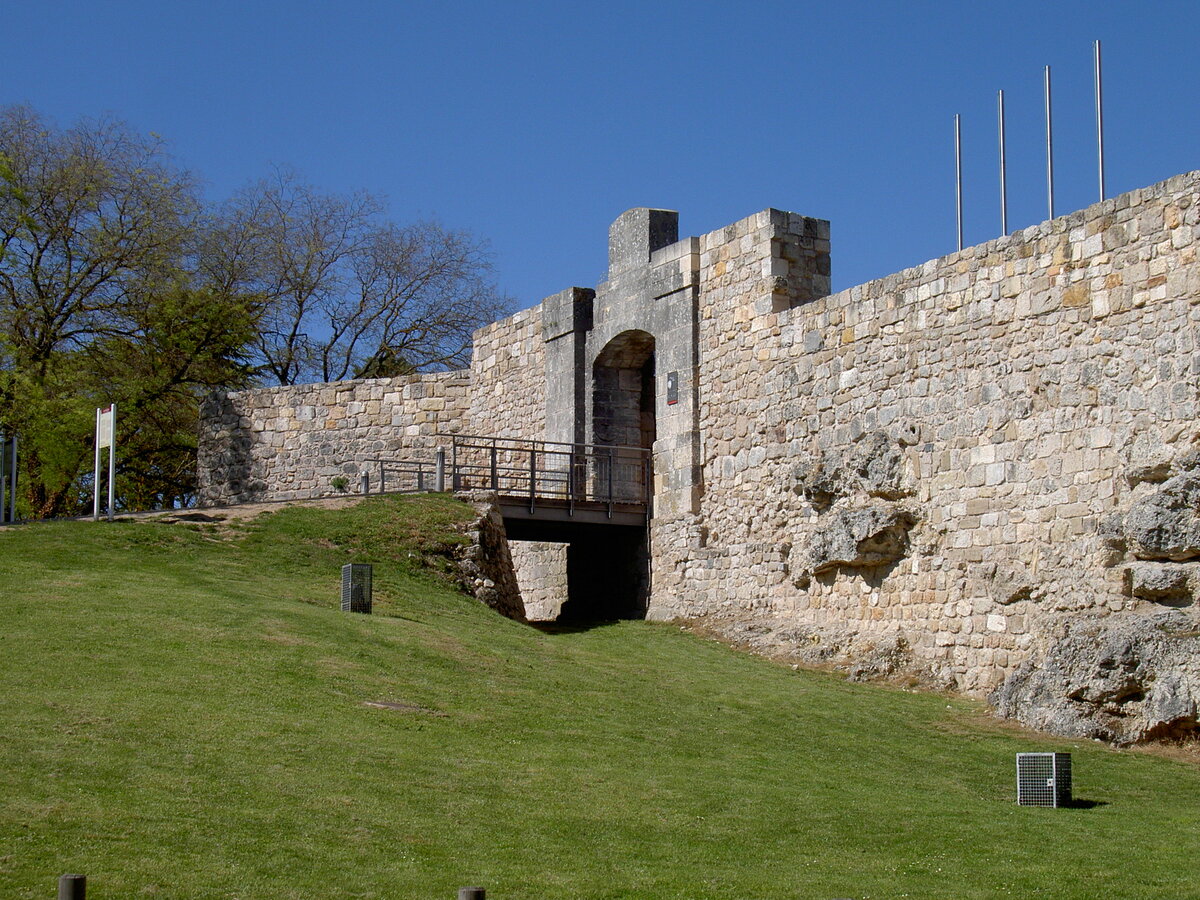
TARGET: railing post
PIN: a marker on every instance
(495, 476)
(454, 479)
(439, 473)
(532, 477)
(648, 465)
(420, 475)
(571, 481)
(382, 479)
(610, 482)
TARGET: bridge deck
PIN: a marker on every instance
(583, 484)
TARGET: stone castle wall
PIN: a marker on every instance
(288, 443)
(508, 373)
(939, 474)
(936, 465)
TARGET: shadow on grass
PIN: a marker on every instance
(573, 627)
(1085, 804)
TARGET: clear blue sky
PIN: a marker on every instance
(535, 124)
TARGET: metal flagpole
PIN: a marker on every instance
(1003, 168)
(112, 455)
(96, 473)
(1099, 122)
(1049, 150)
(958, 176)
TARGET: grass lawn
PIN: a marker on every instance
(185, 712)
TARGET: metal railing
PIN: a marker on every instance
(551, 470)
(410, 475)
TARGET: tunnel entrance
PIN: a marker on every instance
(582, 510)
(608, 572)
(574, 573)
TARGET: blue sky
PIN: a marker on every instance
(535, 124)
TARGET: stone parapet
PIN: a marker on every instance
(286, 443)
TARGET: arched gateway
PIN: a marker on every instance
(620, 378)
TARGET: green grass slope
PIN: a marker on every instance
(184, 712)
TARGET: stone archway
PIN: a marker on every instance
(608, 568)
(623, 411)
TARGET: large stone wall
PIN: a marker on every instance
(288, 443)
(957, 473)
(508, 374)
(936, 467)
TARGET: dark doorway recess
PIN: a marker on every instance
(623, 392)
(608, 565)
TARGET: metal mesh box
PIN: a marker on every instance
(356, 588)
(1044, 779)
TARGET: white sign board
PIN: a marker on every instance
(104, 427)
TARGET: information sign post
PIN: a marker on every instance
(106, 430)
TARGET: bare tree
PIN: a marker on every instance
(345, 293)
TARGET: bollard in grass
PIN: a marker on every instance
(472, 893)
(72, 887)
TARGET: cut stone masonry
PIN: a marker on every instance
(974, 472)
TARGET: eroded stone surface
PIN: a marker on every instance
(1169, 583)
(1123, 679)
(486, 564)
(1166, 523)
(854, 537)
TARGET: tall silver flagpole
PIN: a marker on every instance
(1003, 169)
(1049, 150)
(1099, 122)
(958, 176)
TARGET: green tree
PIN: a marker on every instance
(100, 300)
(118, 284)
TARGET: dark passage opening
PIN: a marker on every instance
(607, 576)
(607, 568)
